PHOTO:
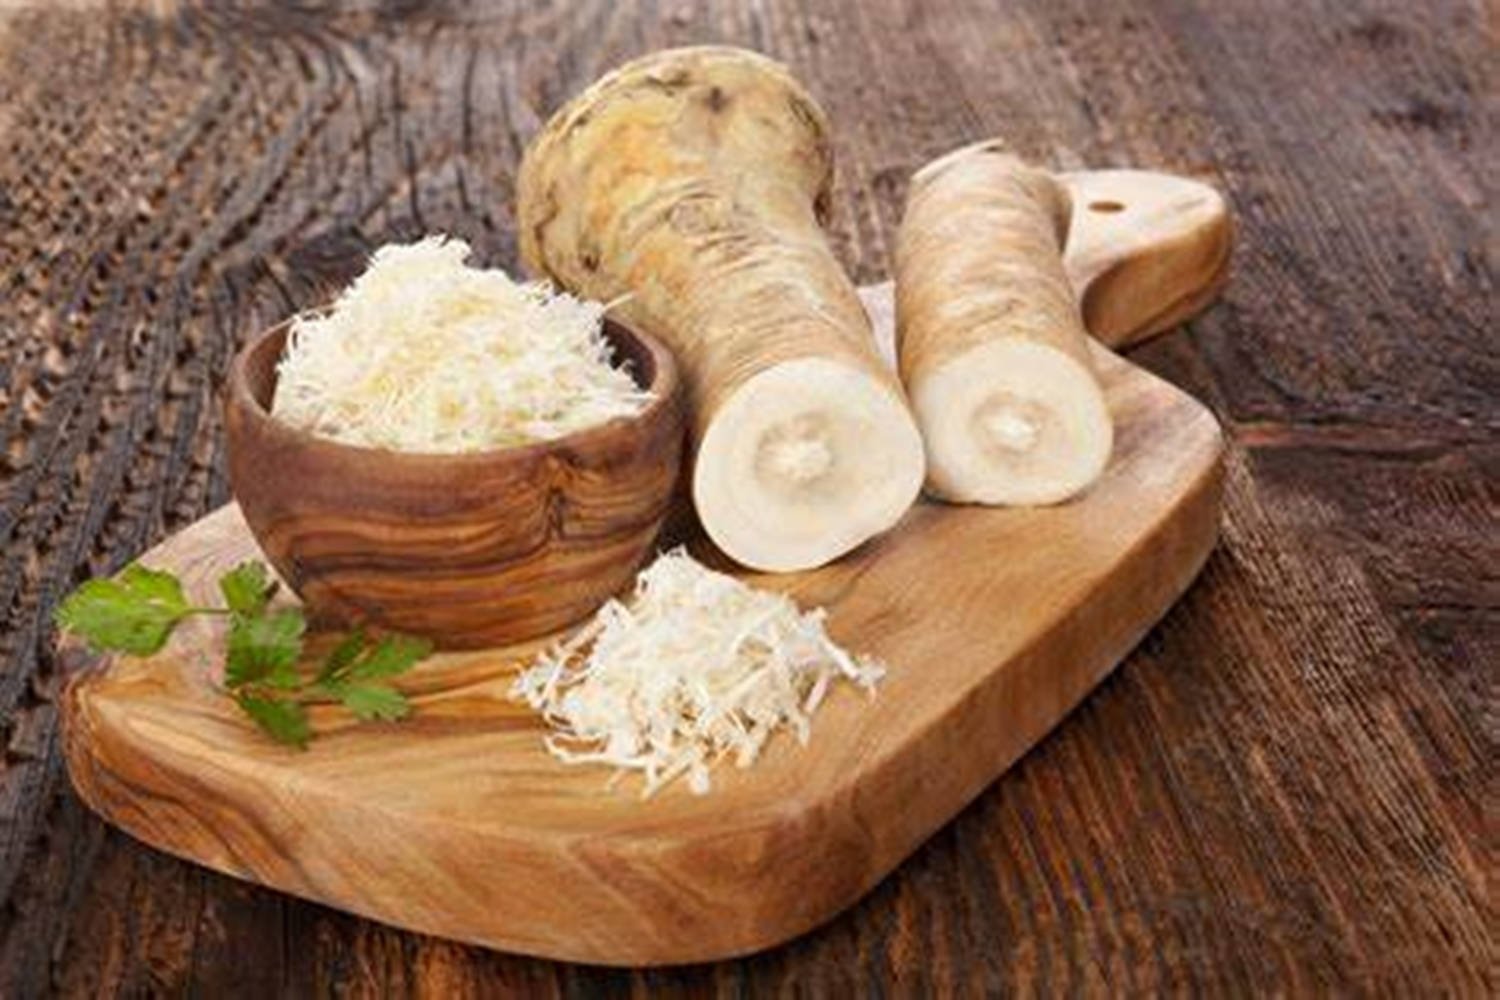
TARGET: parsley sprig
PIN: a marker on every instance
(135, 612)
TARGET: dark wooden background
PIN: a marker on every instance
(1284, 789)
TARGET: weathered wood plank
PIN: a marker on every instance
(1282, 789)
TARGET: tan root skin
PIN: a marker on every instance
(691, 181)
(990, 341)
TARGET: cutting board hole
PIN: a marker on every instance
(1106, 206)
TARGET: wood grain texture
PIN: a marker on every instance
(1147, 251)
(460, 824)
(1282, 790)
(468, 550)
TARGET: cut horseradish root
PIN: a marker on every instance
(804, 461)
(991, 343)
(691, 181)
(694, 667)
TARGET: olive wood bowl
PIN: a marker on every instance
(469, 550)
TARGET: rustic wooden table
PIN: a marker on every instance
(1283, 789)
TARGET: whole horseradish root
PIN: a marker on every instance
(693, 181)
(992, 346)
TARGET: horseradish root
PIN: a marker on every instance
(991, 343)
(691, 183)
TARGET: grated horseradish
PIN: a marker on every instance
(425, 354)
(693, 667)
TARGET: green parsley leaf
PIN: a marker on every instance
(285, 721)
(155, 585)
(247, 589)
(340, 658)
(375, 701)
(393, 654)
(134, 612)
(265, 649)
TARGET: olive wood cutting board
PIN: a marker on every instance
(993, 624)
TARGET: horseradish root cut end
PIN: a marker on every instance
(1012, 422)
(804, 461)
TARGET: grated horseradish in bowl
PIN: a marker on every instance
(392, 486)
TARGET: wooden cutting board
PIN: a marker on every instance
(456, 822)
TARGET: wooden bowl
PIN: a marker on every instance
(470, 550)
